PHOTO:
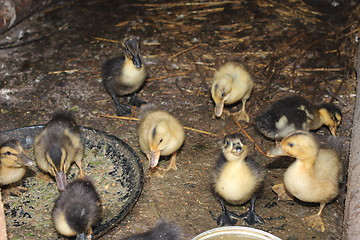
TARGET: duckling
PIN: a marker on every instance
(237, 180)
(77, 209)
(58, 146)
(313, 177)
(162, 231)
(296, 113)
(231, 83)
(124, 75)
(14, 162)
(160, 134)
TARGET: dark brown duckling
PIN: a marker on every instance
(296, 113)
(77, 209)
(58, 146)
(124, 76)
(237, 180)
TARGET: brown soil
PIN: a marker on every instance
(52, 62)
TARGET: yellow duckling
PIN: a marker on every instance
(77, 209)
(313, 177)
(14, 162)
(160, 134)
(58, 146)
(237, 180)
(124, 76)
(231, 84)
(296, 113)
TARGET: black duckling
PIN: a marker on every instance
(160, 134)
(14, 162)
(77, 209)
(296, 113)
(58, 146)
(123, 76)
(313, 177)
(237, 180)
(231, 84)
(162, 231)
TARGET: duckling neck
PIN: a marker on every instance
(317, 122)
(10, 175)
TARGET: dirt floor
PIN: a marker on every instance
(52, 62)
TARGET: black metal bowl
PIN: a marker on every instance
(112, 165)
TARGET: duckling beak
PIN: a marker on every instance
(333, 130)
(219, 107)
(154, 158)
(81, 236)
(61, 181)
(275, 152)
(137, 61)
(25, 160)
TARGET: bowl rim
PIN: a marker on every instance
(234, 229)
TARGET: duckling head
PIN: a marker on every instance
(220, 92)
(234, 148)
(56, 159)
(132, 51)
(298, 144)
(159, 139)
(331, 116)
(12, 155)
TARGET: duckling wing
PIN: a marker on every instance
(286, 115)
(255, 168)
(112, 68)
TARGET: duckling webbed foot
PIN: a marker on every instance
(172, 164)
(226, 218)
(157, 172)
(251, 217)
(122, 110)
(135, 101)
(241, 115)
(283, 195)
(315, 222)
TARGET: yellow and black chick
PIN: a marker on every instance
(160, 134)
(77, 209)
(14, 162)
(58, 146)
(231, 84)
(124, 76)
(237, 180)
(313, 177)
(162, 231)
(296, 113)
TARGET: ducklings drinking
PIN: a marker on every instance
(124, 75)
(77, 209)
(14, 162)
(296, 113)
(313, 177)
(160, 134)
(237, 180)
(231, 84)
(58, 146)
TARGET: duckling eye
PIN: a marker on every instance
(7, 153)
(222, 94)
(160, 141)
(290, 144)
